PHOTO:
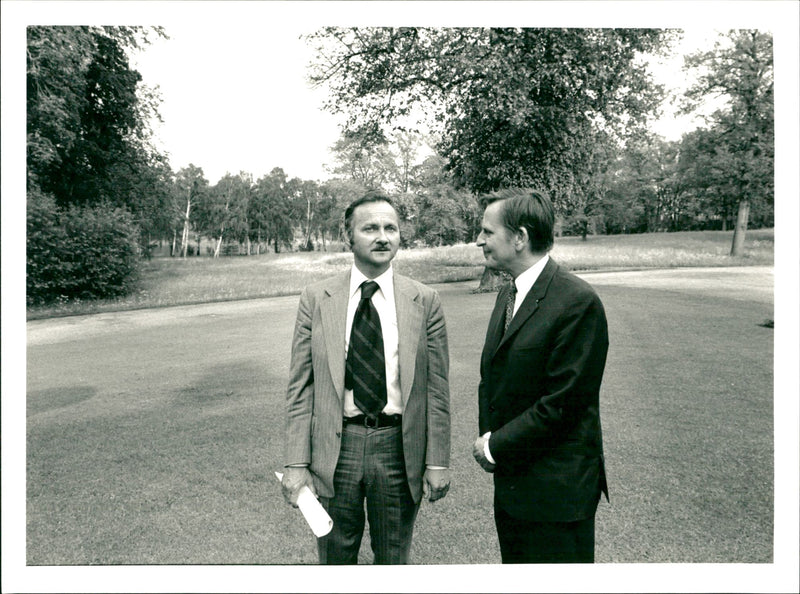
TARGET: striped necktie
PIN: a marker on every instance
(512, 294)
(365, 370)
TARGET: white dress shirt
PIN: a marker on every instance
(524, 283)
(384, 303)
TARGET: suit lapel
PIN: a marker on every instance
(409, 324)
(530, 304)
(333, 310)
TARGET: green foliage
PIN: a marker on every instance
(446, 216)
(88, 145)
(272, 212)
(740, 69)
(81, 252)
(364, 157)
(88, 135)
(516, 106)
(224, 211)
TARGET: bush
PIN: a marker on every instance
(79, 253)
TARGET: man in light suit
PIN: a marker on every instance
(371, 425)
(541, 369)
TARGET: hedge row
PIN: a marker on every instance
(85, 252)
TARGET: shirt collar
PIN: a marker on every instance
(524, 282)
(385, 281)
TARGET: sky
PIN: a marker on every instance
(232, 76)
(235, 99)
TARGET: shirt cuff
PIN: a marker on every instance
(486, 451)
(302, 465)
(429, 467)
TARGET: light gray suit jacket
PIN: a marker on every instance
(315, 397)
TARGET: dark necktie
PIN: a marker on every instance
(365, 370)
(512, 294)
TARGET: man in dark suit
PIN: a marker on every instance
(541, 369)
(368, 403)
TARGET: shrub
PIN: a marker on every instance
(79, 253)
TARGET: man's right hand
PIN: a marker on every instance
(294, 479)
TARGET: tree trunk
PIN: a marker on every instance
(185, 236)
(198, 245)
(740, 229)
(308, 224)
(174, 241)
(492, 280)
(216, 249)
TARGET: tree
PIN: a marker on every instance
(223, 213)
(272, 210)
(191, 187)
(309, 197)
(516, 107)
(741, 71)
(88, 114)
(704, 166)
(514, 104)
(446, 215)
(646, 190)
(364, 157)
(90, 155)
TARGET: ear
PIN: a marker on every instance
(521, 239)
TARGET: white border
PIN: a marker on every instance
(780, 17)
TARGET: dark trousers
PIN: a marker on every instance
(524, 541)
(370, 467)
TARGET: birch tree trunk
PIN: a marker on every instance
(740, 229)
(308, 224)
(185, 236)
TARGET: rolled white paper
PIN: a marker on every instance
(316, 516)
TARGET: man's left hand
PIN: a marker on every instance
(479, 454)
(436, 483)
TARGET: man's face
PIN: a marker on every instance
(375, 237)
(496, 239)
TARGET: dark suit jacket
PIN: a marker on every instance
(539, 396)
(315, 396)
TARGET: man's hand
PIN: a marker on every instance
(435, 483)
(294, 479)
(479, 454)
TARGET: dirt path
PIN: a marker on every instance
(746, 283)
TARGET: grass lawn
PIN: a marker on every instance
(155, 442)
(173, 281)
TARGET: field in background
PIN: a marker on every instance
(174, 281)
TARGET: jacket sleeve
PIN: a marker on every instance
(438, 443)
(300, 393)
(570, 383)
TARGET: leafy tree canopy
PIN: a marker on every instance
(514, 106)
(87, 115)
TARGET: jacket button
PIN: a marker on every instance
(491, 408)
